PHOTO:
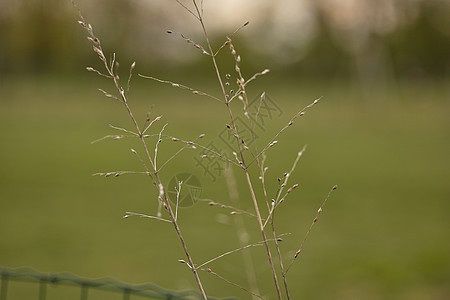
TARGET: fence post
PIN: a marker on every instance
(126, 294)
(84, 292)
(42, 289)
(4, 290)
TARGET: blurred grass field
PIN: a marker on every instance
(384, 233)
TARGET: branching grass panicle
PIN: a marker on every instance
(246, 155)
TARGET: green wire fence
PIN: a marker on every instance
(127, 291)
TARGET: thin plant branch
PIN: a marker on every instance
(278, 201)
(242, 232)
(229, 38)
(129, 77)
(261, 243)
(151, 123)
(112, 71)
(108, 95)
(178, 190)
(273, 140)
(234, 210)
(123, 129)
(188, 9)
(91, 69)
(232, 283)
(118, 173)
(148, 172)
(239, 91)
(244, 166)
(130, 214)
(181, 86)
(190, 41)
(157, 144)
(112, 136)
(194, 145)
(300, 249)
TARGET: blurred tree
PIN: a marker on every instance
(419, 49)
(323, 56)
(333, 38)
(36, 36)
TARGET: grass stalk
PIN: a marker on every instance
(242, 232)
(244, 159)
(111, 69)
(236, 134)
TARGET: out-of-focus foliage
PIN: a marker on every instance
(372, 40)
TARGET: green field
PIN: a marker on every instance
(384, 233)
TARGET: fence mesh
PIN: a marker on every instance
(27, 283)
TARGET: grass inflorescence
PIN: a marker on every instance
(247, 157)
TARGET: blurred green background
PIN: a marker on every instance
(381, 132)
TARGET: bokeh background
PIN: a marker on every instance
(381, 133)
